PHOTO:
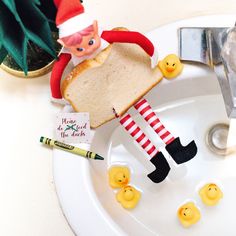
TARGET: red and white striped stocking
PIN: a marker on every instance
(149, 115)
(162, 167)
(133, 129)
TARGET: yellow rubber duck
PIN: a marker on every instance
(119, 176)
(170, 66)
(210, 194)
(128, 197)
(188, 214)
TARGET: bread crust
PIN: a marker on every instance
(88, 65)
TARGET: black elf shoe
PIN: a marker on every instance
(181, 153)
(162, 168)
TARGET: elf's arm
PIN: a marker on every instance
(57, 71)
(132, 37)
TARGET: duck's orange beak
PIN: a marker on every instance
(170, 69)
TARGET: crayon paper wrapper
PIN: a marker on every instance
(72, 128)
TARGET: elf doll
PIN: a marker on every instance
(82, 39)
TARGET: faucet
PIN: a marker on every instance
(207, 46)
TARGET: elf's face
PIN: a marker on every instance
(90, 43)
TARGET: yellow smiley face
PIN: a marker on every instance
(210, 194)
(188, 214)
(128, 197)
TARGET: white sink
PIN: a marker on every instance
(188, 106)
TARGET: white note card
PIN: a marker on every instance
(73, 127)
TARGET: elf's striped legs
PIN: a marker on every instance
(179, 153)
(157, 158)
(133, 129)
(149, 115)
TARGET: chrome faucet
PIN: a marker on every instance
(205, 45)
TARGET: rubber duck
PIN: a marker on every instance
(210, 194)
(170, 66)
(188, 214)
(128, 197)
(119, 176)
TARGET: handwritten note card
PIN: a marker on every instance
(73, 127)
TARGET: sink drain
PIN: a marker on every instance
(217, 137)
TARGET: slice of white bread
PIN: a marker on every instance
(117, 78)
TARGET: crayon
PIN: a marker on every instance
(70, 148)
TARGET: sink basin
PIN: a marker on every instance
(189, 106)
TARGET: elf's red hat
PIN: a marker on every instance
(70, 17)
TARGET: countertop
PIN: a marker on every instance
(28, 201)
